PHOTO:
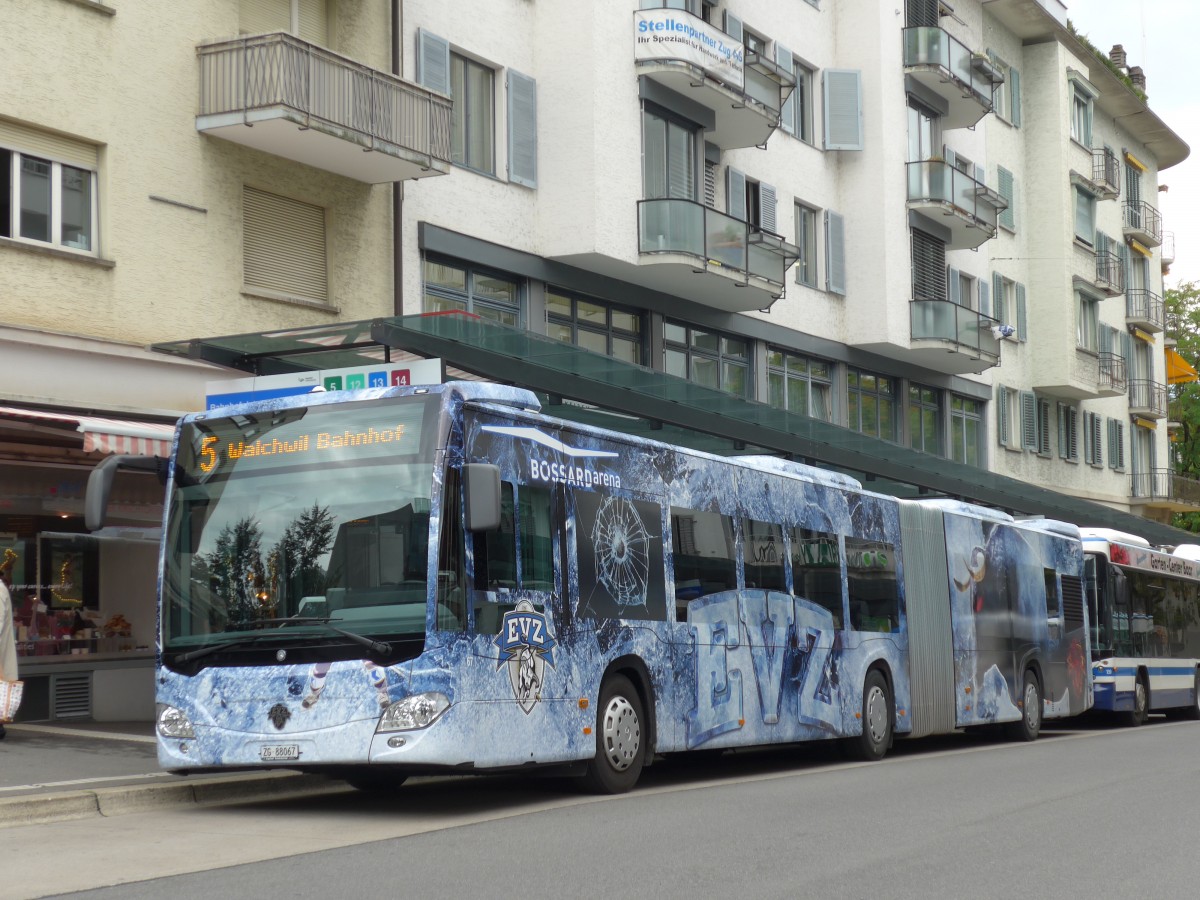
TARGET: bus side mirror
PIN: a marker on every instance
(481, 491)
(100, 482)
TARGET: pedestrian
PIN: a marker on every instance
(8, 643)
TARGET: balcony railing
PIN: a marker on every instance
(965, 80)
(1168, 248)
(1106, 173)
(1145, 309)
(1163, 484)
(727, 244)
(968, 330)
(970, 208)
(1147, 398)
(1143, 222)
(1110, 274)
(312, 105)
(1111, 375)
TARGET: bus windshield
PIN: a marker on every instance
(312, 517)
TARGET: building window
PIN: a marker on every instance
(594, 326)
(806, 240)
(1008, 417)
(924, 420)
(1093, 455)
(966, 430)
(1085, 216)
(473, 128)
(871, 404)
(800, 384)
(1068, 432)
(1082, 96)
(707, 358)
(283, 247)
(1087, 333)
(45, 200)
(928, 267)
(668, 158)
(924, 132)
(1002, 93)
(800, 102)
(449, 287)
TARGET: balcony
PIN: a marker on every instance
(1110, 377)
(1106, 174)
(1171, 326)
(951, 338)
(944, 65)
(1147, 398)
(740, 268)
(1110, 274)
(287, 97)
(1143, 223)
(1145, 309)
(1167, 253)
(967, 207)
(1163, 489)
(744, 91)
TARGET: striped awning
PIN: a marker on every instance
(1179, 370)
(104, 435)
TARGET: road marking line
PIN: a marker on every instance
(79, 732)
(52, 784)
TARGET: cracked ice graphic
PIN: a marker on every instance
(622, 559)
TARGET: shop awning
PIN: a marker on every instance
(104, 435)
(1179, 370)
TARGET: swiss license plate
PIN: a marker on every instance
(279, 752)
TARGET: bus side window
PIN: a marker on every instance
(817, 570)
(1050, 576)
(496, 551)
(704, 555)
(536, 572)
(764, 556)
(619, 548)
(451, 598)
(871, 574)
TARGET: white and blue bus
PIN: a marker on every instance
(380, 583)
(1144, 610)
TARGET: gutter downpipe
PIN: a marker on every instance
(397, 186)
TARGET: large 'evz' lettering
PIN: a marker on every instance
(767, 625)
(718, 688)
(814, 667)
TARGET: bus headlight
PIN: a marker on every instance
(174, 723)
(417, 711)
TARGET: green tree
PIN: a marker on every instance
(295, 562)
(237, 571)
(1183, 324)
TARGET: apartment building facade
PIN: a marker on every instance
(933, 227)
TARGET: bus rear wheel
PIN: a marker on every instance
(877, 719)
(1141, 703)
(1029, 726)
(620, 739)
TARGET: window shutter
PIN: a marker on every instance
(1112, 444)
(1126, 264)
(998, 298)
(1043, 441)
(735, 193)
(955, 291)
(710, 184)
(1014, 78)
(1002, 414)
(433, 61)
(733, 26)
(283, 245)
(1120, 445)
(787, 119)
(1028, 421)
(985, 304)
(1022, 332)
(1073, 430)
(1127, 351)
(766, 206)
(1106, 336)
(48, 146)
(843, 109)
(261, 16)
(314, 22)
(1097, 453)
(522, 129)
(1006, 187)
(928, 267)
(949, 156)
(1062, 431)
(835, 253)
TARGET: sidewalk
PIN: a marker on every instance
(68, 770)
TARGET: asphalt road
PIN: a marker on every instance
(1083, 811)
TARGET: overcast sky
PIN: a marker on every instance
(1161, 36)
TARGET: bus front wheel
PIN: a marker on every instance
(1141, 702)
(877, 719)
(620, 739)
(1029, 726)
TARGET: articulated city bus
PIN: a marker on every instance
(379, 583)
(1144, 607)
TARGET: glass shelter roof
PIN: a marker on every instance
(580, 385)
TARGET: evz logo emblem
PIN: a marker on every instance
(279, 715)
(526, 647)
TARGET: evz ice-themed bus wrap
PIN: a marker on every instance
(414, 580)
(1144, 607)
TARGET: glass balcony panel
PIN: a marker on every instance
(766, 264)
(942, 320)
(726, 239)
(763, 88)
(930, 46)
(671, 226)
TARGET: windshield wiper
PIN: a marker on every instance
(381, 648)
(216, 648)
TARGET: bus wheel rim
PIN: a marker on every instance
(877, 714)
(622, 733)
